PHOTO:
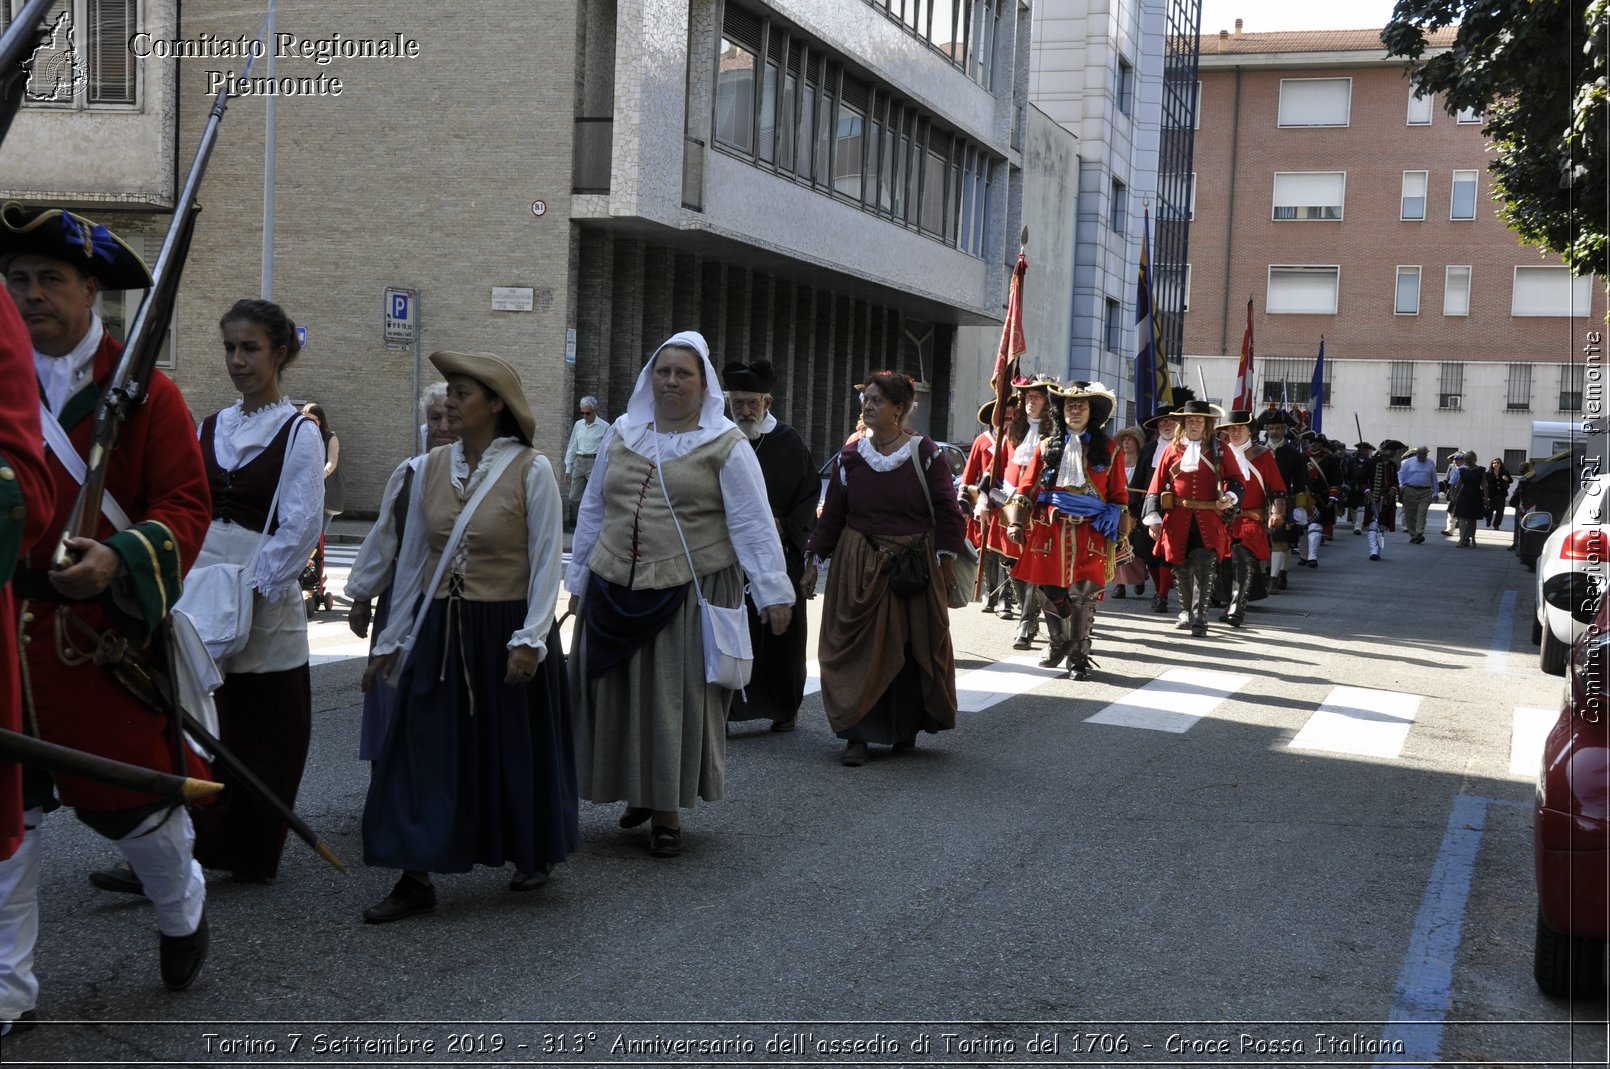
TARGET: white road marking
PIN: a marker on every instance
(1174, 701)
(813, 676)
(984, 687)
(1360, 721)
(1530, 729)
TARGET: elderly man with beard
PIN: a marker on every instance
(777, 685)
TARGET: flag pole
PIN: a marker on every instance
(1006, 361)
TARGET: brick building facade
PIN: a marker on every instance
(1346, 208)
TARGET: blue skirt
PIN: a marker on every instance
(379, 703)
(473, 771)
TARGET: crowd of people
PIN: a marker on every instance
(699, 540)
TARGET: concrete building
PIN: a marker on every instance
(833, 184)
(1346, 208)
(1112, 75)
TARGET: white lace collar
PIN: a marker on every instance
(238, 413)
(880, 462)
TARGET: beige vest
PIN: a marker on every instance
(638, 546)
(497, 564)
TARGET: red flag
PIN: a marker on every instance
(1244, 376)
(1013, 345)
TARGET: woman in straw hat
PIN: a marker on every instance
(888, 670)
(676, 498)
(261, 453)
(477, 766)
(1183, 506)
(1075, 487)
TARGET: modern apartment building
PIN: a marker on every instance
(1347, 208)
(833, 184)
(1120, 78)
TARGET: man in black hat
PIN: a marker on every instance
(792, 487)
(1160, 430)
(155, 513)
(1324, 470)
(1277, 425)
(1353, 465)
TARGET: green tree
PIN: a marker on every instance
(1537, 73)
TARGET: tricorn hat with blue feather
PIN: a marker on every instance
(62, 235)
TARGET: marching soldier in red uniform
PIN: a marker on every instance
(1183, 506)
(1076, 490)
(124, 581)
(1261, 508)
(26, 498)
(998, 557)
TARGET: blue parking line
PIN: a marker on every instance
(1498, 653)
(1425, 983)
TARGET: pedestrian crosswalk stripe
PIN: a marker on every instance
(984, 687)
(1530, 729)
(1174, 701)
(335, 652)
(813, 676)
(1360, 721)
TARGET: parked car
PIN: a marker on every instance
(1571, 822)
(1578, 547)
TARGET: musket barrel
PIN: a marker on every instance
(49, 757)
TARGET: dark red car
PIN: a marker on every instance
(1571, 832)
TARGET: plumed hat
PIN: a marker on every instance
(1101, 399)
(756, 377)
(61, 235)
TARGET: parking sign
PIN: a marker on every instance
(401, 317)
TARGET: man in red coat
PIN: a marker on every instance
(1254, 475)
(121, 585)
(999, 555)
(1183, 506)
(1075, 492)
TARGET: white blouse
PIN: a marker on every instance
(743, 491)
(372, 570)
(238, 438)
(544, 514)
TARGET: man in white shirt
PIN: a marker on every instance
(1417, 482)
(581, 452)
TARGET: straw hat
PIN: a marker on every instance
(1101, 399)
(497, 375)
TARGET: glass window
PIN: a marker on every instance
(1464, 195)
(1421, 107)
(934, 194)
(1571, 377)
(1519, 393)
(1408, 292)
(1401, 393)
(1468, 115)
(1315, 101)
(1450, 385)
(824, 128)
(735, 87)
(768, 114)
(1309, 195)
(1120, 207)
(1414, 195)
(111, 74)
(847, 151)
(1126, 87)
(787, 132)
(1302, 289)
(1114, 326)
(1456, 291)
(1550, 291)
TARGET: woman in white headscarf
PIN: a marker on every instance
(649, 730)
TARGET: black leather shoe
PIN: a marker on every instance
(406, 899)
(854, 754)
(786, 724)
(182, 956)
(119, 878)
(24, 1022)
(904, 746)
(664, 841)
(1023, 644)
(530, 881)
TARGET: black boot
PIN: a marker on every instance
(1058, 639)
(1241, 566)
(1080, 624)
(1202, 567)
(1185, 583)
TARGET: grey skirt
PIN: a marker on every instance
(651, 732)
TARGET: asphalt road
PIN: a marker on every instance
(1207, 894)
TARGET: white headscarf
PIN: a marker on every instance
(640, 409)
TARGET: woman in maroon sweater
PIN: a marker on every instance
(888, 670)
